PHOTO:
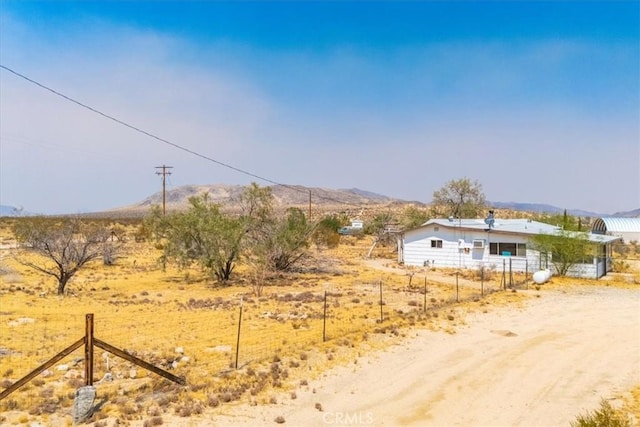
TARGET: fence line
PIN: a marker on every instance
(205, 337)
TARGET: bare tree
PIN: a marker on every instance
(64, 246)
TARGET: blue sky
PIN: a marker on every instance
(538, 101)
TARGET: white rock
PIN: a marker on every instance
(133, 374)
(21, 321)
(179, 350)
(219, 348)
(185, 359)
(62, 368)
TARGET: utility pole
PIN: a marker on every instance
(164, 174)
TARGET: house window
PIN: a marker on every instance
(436, 243)
(508, 249)
(436, 228)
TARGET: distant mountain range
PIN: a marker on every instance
(12, 211)
(297, 195)
(543, 208)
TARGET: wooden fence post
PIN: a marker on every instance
(88, 350)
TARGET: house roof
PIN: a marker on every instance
(518, 226)
(512, 226)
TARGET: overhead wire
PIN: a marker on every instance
(167, 142)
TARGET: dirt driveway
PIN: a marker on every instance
(540, 365)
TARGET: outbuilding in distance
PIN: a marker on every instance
(626, 228)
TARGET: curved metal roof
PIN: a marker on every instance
(616, 225)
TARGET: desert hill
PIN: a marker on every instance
(324, 198)
(284, 196)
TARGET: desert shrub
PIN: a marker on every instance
(213, 401)
(188, 409)
(326, 231)
(606, 416)
(621, 266)
(155, 421)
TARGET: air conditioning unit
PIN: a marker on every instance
(478, 244)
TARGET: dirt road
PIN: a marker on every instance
(540, 365)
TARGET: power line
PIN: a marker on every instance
(157, 138)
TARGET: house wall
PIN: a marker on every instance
(457, 252)
(589, 271)
(416, 249)
(627, 236)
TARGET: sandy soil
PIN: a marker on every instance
(540, 365)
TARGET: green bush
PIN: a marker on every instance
(606, 416)
(621, 266)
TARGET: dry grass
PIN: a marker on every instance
(182, 322)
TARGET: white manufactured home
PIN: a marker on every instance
(470, 243)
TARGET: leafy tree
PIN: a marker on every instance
(201, 235)
(256, 204)
(65, 245)
(460, 198)
(565, 221)
(412, 217)
(283, 241)
(277, 245)
(216, 241)
(567, 248)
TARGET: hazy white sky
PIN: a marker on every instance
(540, 102)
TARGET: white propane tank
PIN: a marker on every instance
(541, 276)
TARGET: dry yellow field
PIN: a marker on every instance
(184, 323)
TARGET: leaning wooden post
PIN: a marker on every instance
(425, 295)
(381, 315)
(238, 339)
(503, 284)
(510, 273)
(88, 350)
(324, 318)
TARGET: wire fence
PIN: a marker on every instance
(200, 338)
